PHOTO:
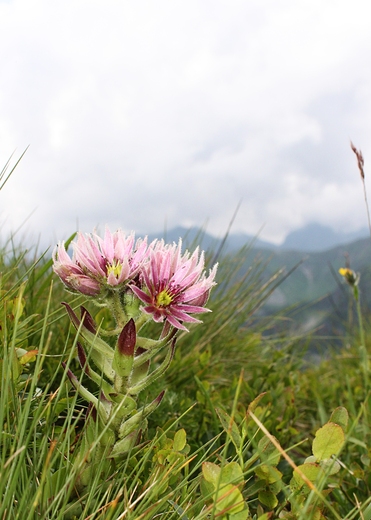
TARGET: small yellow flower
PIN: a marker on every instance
(350, 276)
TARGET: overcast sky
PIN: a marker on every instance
(149, 113)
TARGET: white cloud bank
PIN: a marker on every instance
(138, 112)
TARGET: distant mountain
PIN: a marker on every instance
(316, 301)
(316, 272)
(315, 237)
(310, 238)
(316, 275)
(195, 236)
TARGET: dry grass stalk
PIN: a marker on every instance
(361, 163)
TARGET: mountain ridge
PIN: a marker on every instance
(312, 237)
(315, 272)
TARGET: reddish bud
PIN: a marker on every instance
(82, 358)
(158, 399)
(87, 320)
(127, 339)
(75, 320)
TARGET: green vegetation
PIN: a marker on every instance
(247, 428)
(250, 427)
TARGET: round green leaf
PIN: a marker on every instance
(268, 499)
(211, 472)
(229, 499)
(328, 441)
(232, 474)
(340, 416)
(310, 470)
(269, 474)
(180, 439)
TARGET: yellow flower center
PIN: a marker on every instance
(164, 299)
(115, 269)
(344, 271)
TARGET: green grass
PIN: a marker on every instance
(222, 369)
(244, 408)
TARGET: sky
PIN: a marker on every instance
(148, 114)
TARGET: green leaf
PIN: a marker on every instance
(268, 473)
(340, 416)
(255, 402)
(268, 452)
(232, 473)
(211, 472)
(242, 515)
(328, 441)
(228, 497)
(207, 488)
(180, 439)
(268, 498)
(310, 470)
(253, 405)
(230, 427)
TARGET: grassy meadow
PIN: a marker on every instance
(248, 428)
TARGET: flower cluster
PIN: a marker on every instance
(170, 285)
(136, 281)
(98, 264)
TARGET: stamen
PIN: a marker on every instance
(115, 268)
(164, 298)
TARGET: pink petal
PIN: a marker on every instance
(141, 294)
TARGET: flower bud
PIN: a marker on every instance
(350, 276)
(124, 352)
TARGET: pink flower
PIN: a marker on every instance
(99, 263)
(174, 285)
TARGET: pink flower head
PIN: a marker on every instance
(174, 285)
(98, 263)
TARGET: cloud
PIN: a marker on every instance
(141, 112)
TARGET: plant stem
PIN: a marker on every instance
(115, 306)
(362, 348)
